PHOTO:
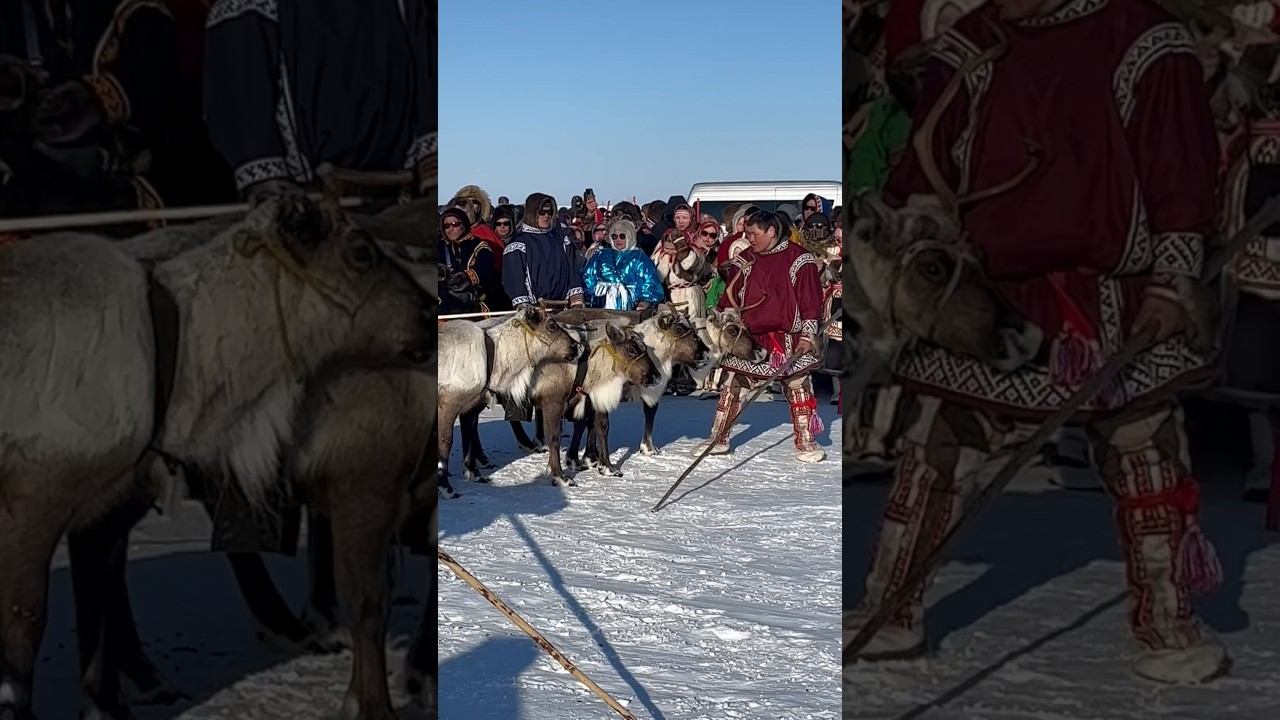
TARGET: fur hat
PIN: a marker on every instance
(626, 227)
(474, 192)
(534, 203)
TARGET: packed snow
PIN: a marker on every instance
(1027, 616)
(725, 604)
(196, 628)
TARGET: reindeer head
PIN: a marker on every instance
(631, 356)
(725, 334)
(340, 296)
(912, 273)
(550, 340)
(680, 337)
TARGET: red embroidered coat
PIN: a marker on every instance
(785, 288)
(1112, 94)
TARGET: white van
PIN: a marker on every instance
(766, 195)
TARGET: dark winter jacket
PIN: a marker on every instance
(538, 264)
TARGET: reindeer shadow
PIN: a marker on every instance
(196, 628)
(482, 681)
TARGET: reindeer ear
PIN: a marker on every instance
(666, 320)
(615, 334)
(532, 315)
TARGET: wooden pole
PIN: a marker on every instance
(124, 217)
(529, 630)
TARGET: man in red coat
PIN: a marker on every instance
(777, 285)
(1103, 238)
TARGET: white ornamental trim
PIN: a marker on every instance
(1180, 253)
(224, 10)
(260, 170)
(1163, 39)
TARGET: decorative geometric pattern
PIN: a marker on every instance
(260, 170)
(801, 261)
(224, 10)
(422, 148)
(1179, 253)
(1030, 389)
(1138, 251)
(1073, 10)
(1162, 39)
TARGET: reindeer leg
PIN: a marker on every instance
(419, 677)
(572, 460)
(31, 533)
(107, 633)
(321, 615)
(278, 626)
(646, 445)
(363, 525)
(471, 450)
(551, 413)
(446, 414)
(604, 463)
(472, 426)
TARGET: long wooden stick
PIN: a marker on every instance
(529, 630)
(124, 217)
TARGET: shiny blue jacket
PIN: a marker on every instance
(617, 280)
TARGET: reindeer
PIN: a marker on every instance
(618, 357)
(906, 265)
(514, 349)
(264, 307)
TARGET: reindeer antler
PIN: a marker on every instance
(729, 293)
(923, 140)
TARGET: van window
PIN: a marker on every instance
(715, 208)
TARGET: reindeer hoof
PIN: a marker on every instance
(484, 463)
(608, 471)
(475, 477)
(563, 481)
(447, 492)
(649, 450)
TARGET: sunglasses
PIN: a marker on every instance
(502, 223)
(708, 235)
(618, 236)
(452, 225)
(546, 213)
(811, 207)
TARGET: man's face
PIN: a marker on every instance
(597, 235)
(545, 215)
(503, 227)
(471, 207)
(761, 239)
(452, 228)
(682, 219)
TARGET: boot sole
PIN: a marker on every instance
(1224, 668)
(912, 653)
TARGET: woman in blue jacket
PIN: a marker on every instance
(619, 276)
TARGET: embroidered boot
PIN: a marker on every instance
(804, 419)
(726, 409)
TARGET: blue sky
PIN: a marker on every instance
(636, 98)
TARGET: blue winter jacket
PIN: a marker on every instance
(617, 280)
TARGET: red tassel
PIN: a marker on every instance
(776, 358)
(1074, 358)
(815, 424)
(1197, 567)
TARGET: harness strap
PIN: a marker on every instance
(490, 357)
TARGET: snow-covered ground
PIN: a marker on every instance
(197, 629)
(723, 605)
(1028, 618)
